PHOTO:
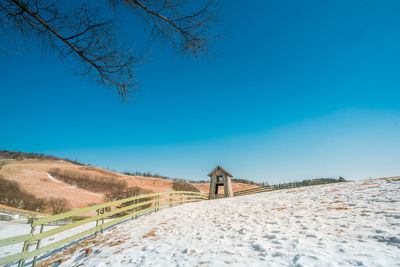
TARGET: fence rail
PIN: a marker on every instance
(117, 211)
(251, 191)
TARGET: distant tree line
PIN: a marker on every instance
(17, 155)
(149, 174)
(235, 180)
(306, 182)
(199, 181)
(145, 174)
(244, 181)
(177, 185)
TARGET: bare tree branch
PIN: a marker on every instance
(186, 33)
(77, 31)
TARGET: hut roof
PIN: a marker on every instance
(220, 168)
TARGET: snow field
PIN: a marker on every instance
(347, 224)
(21, 227)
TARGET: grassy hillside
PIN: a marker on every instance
(46, 177)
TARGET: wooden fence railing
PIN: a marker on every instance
(115, 212)
(279, 187)
(252, 191)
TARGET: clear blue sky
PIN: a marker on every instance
(301, 89)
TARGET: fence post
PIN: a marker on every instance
(133, 209)
(97, 221)
(181, 194)
(170, 200)
(102, 220)
(27, 243)
(137, 208)
(156, 203)
(38, 245)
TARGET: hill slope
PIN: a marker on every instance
(354, 223)
(33, 175)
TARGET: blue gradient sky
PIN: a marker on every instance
(301, 89)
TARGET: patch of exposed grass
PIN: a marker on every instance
(180, 185)
(98, 170)
(338, 208)
(90, 182)
(12, 195)
(150, 234)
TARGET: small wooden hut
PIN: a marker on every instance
(220, 178)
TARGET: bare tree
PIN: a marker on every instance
(58, 205)
(79, 31)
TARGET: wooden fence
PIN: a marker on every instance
(115, 212)
(251, 191)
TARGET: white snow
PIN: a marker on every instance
(21, 227)
(347, 224)
(93, 194)
(52, 178)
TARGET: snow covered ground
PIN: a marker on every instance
(20, 226)
(347, 224)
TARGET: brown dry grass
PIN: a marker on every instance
(99, 171)
(150, 234)
(92, 182)
(297, 190)
(118, 251)
(31, 175)
(115, 243)
(62, 257)
(279, 208)
(88, 251)
(359, 188)
(338, 208)
(184, 186)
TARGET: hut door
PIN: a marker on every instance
(217, 186)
